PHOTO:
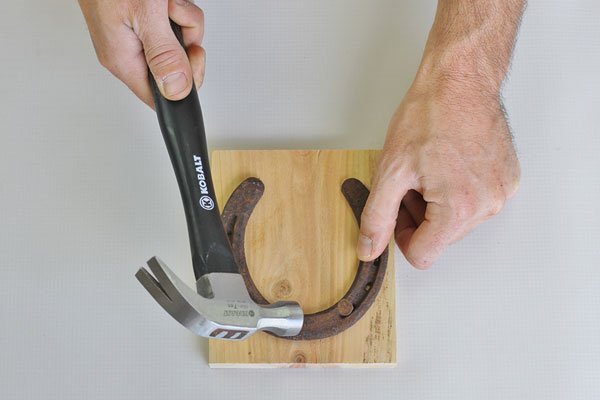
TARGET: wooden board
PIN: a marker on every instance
(300, 245)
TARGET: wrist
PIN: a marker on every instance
(458, 74)
(471, 44)
(457, 66)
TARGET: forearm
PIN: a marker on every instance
(471, 41)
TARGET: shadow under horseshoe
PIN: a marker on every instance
(363, 291)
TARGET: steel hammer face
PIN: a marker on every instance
(222, 307)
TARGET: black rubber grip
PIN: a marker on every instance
(182, 127)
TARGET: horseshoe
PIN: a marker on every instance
(363, 291)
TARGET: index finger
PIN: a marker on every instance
(423, 245)
(191, 19)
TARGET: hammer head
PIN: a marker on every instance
(221, 308)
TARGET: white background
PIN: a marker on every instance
(87, 194)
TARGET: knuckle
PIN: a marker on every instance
(423, 256)
(394, 159)
(368, 215)
(495, 206)
(192, 10)
(512, 187)
(466, 208)
(374, 219)
(368, 219)
(110, 63)
(103, 59)
(199, 14)
(419, 262)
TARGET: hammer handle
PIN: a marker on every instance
(182, 128)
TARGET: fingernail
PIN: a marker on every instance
(175, 83)
(364, 247)
(182, 2)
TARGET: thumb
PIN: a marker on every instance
(378, 218)
(167, 59)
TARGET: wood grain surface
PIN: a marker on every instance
(300, 245)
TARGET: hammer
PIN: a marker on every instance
(221, 306)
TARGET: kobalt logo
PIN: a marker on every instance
(205, 201)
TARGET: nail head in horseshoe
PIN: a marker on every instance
(363, 291)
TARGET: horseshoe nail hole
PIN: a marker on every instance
(282, 289)
(368, 287)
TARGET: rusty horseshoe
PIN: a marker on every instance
(363, 291)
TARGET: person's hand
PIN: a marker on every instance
(130, 35)
(447, 165)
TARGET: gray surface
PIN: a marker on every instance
(87, 196)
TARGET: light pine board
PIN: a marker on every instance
(300, 245)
